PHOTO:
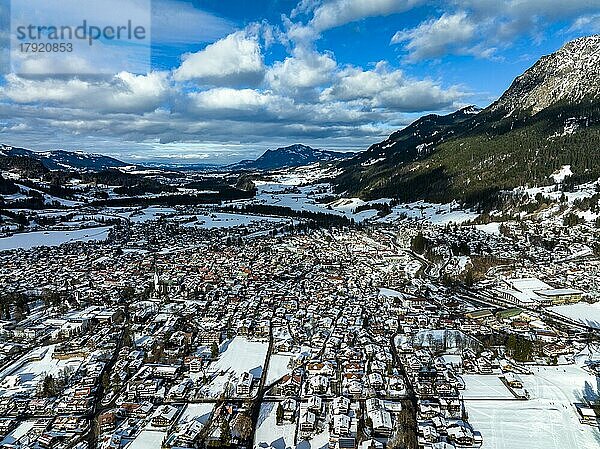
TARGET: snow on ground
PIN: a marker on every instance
(412, 268)
(225, 220)
(579, 192)
(288, 191)
(451, 339)
(485, 387)
(305, 175)
(268, 433)
(390, 293)
(278, 366)
(560, 175)
(143, 215)
(547, 421)
(582, 311)
(303, 200)
(200, 412)
(148, 439)
(490, 228)
(28, 240)
(237, 356)
(318, 441)
(29, 370)
(440, 214)
(457, 265)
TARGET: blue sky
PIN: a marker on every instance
(229, 79)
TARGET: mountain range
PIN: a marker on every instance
(291, 156)
(549, 117)
(58, 159)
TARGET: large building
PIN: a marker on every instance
(533, 292)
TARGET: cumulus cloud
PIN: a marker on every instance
(232, 61)
(240, 104)
(436, 37)
(331, 14)
(384, 87)
(304, 70)
(124, 93)
(481, 27)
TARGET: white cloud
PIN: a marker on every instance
(331, 14)
(225, 97)
(180, 22)
(384, 87)
(228, 100)
(304, 70)
(124, 93)
(436, 37)
(589, 23)
(235, 60)
(481, 27)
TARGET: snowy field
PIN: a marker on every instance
(547, 421)
(582, 311)
(287, 193)
(485, 387)
(150, 213)
(28, 371)
(30, 240)
(225, 220)
(440, 214)
(237, 356)
(490, 228)
(268, 433)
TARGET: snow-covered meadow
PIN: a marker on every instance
(548, 420)
(237, 356)
(28, 240)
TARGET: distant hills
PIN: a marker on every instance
(35, 164)
(38, 162)
(549, 117)
(291, 156)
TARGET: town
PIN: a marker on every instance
(281, 333)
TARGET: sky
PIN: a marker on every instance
(217, 81)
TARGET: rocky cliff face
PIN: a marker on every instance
(571, 74)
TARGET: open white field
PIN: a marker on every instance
(227, 220)
(268, 433)
(434, 213)
(20, 431)
(237, 356)
(28, 240)
(485, 387)
(547, 421)
(29, 370)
